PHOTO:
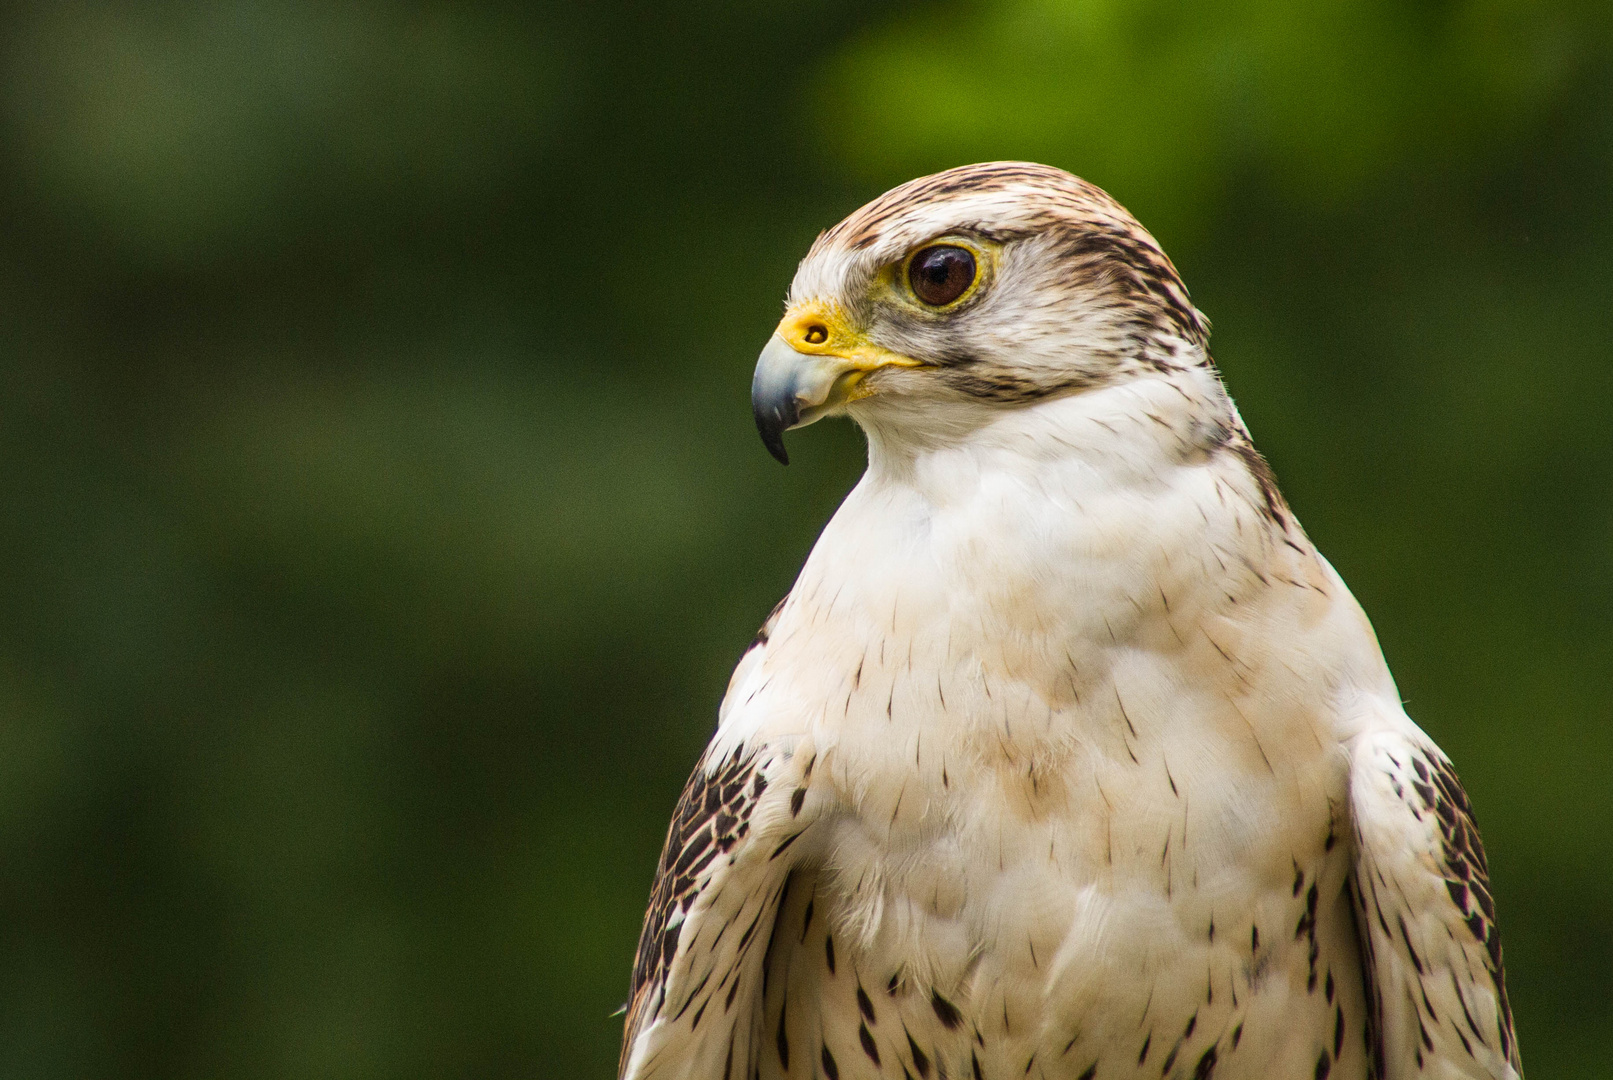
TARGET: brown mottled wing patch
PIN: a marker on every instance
(1430, 945)
(712, 816)
(715, 893)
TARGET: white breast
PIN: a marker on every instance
(1075, 701)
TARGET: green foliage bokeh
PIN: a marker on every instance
(382, 511)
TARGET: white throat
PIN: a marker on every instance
(1128, 433)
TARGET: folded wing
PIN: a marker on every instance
(695, 1009)
(1429, 941)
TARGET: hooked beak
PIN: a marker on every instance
(792, 389)
(811, 366)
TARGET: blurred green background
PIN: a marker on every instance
(381, 510)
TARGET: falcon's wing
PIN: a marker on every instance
(695, 1010)
(1429, 941)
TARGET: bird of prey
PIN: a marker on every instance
(1067, 756)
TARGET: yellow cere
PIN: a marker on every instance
(819, 328)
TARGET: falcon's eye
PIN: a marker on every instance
(941, 274)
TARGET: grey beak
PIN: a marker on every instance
(789, 385)
(772, 395)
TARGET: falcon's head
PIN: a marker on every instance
(982, 288)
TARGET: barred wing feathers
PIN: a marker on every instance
(695, 1009)
(1430, 946)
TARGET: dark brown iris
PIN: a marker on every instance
(941, 274)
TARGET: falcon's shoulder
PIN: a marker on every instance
(1430, 945)
(723, 872)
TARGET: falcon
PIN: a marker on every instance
(1067, 756)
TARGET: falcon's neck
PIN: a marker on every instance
(1132, 435)
(1008, 551)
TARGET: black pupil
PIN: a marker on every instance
(939, 275)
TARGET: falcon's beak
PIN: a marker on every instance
(812, 365)
(792, 389)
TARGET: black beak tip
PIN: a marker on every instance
(773, 439)
(773, 418)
